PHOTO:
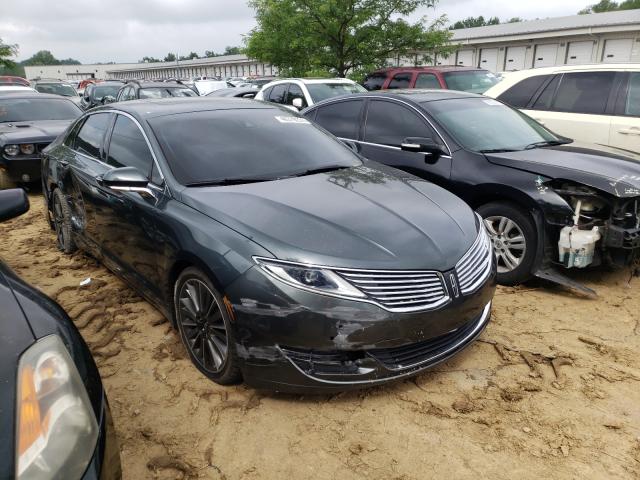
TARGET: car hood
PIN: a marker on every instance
(42, 131)
(608, 169)
(365, 217)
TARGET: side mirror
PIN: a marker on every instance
(422, 145)
(298, 103)
(13, 203)
(126, 179)
(108, 99)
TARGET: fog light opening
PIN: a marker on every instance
(25, 178)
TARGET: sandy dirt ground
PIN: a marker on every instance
(551, 390)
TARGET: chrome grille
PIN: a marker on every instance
(398, 290)
(475, 266)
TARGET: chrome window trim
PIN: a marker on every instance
(390, 147)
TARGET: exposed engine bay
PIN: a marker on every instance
(604, 229)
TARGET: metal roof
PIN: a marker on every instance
(607, 19)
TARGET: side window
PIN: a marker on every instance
(633, 99)
(278, 93)
(128, 147)
(267, 93)
(341, 118)
(584, 92)
(543, 102)
(427, 80)
(122, 95)
(295, 92)
(400, 80)
(389, 123)
(71, 138)
(91, 134)
(520, 94)
(375, 81)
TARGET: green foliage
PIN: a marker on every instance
(6, 52)
(170, 57)
(149, 60)
(227, 51)
(610, 6)
(471, 22)
(45, 57)
(340, 37)
(191, 56)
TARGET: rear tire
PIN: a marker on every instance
(62, 222)
(5, 181)
(205, 327)
(514, 239)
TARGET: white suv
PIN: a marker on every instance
(590, 103)
(299, 93)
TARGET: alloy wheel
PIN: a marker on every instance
(58, 222)
(508, 242)
(203, 325)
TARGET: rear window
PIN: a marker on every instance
(520, 94)
(584, 92)
(473, 81)
(213, 146)
(375, 81)
(161, 92)
(322, 91)
(633, 100)
(33, 109)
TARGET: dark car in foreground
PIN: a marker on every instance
(280, 255)
(28, 123)
(545, 199)
(466, 79)
(55, 420)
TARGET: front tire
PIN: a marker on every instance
(205, 327)
(62, 222)
(514, 239)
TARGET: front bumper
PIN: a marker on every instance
(105, 463)
(18, 168)
(290, 340)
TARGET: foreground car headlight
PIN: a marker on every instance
(309, 277)
(27, 149)
(56, 429)
(12, 150)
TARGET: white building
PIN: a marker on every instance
(612, 37)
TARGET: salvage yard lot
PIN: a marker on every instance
(551, 389)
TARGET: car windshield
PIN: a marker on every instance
(57, 89)
(29, 109)
(484, 124)
(223, 146)
(164, 92)
(322, 91)
(474, 81)
(100, 91)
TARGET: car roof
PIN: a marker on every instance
(310, 81)
(38, 96)
(15, 88)
(157, 84)
(147, 109)
(416, 95)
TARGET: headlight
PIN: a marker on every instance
(27, 149)
(12, 150)
(309, 277)
(56, 430)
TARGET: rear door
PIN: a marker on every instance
(577, 105)
(387, 124)
(625, 126)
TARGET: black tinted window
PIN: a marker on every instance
(400, 80)
(633, 99)
(546, 97)
(278, 93)
(26, 109)
(427, 80)
(521, 93)
(295, 92)
(342, 119)
(211, 146)
(585, 92)
(128, 147)
(389, 124)
(91, 134)
(374, 81)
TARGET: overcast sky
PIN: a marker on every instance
(127, 30)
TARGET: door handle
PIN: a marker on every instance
(629, 131)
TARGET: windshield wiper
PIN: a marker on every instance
(313, 171)
(498, 150)
(227, 181)
(546, 143)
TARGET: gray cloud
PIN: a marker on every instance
(127, 30)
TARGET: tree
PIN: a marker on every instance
(170, 57)
(471, 22)
(515, 20)
(43, 57)
(610, 6)
(6, 52)
(69, 61)
(191, 56)
(340, 37)
(232, 51)
(149, 60)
